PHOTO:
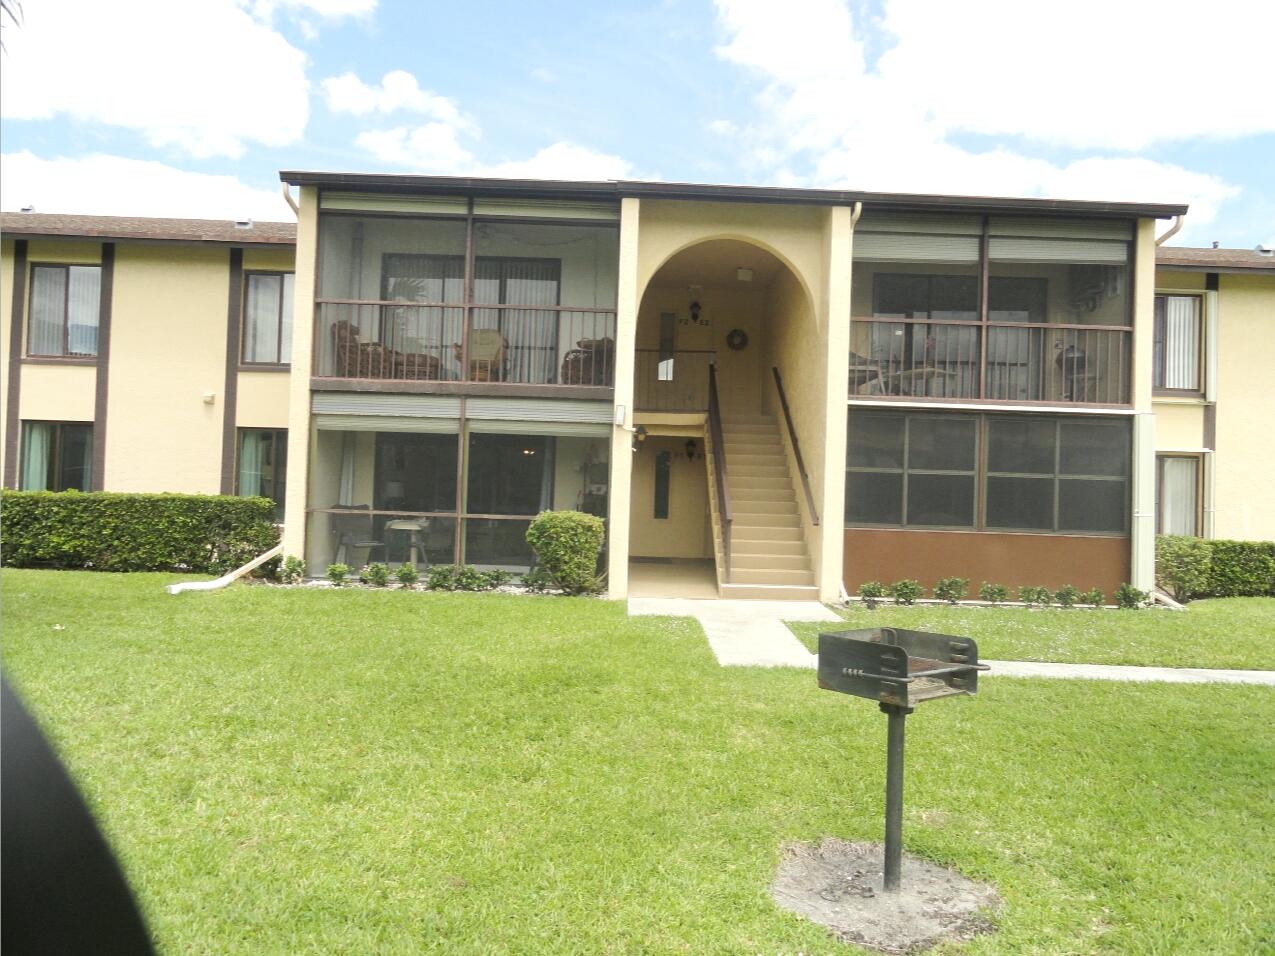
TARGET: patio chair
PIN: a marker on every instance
(487, 348)
(353, 531)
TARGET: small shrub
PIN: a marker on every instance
(538, 580)
(441, 577)
(469, 578)
(992, 593)
(1036, 596)
(567, 545)
(905, 591)
(1182, 565)
(498, 578)
(406, 574)
(1094, 596)
(1130, 598)
(292, 571)
(337, 573)
(951, 590)
(1067, 596)
(375, 574)
(872, 592)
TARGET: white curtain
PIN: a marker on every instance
(48, 299)
(547, 474)
(251, 454)
(83, 306)
(532, 333)
(1182, 342)
(1178, 490)
(36, 448)
(261, 322)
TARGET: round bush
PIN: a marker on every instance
(567, 545)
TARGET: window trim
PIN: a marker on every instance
(1158, 368)
(280, 440)
(54, 464)
(66, 357)
(244, 363)
(1198, 506)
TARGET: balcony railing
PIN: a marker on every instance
(671, 381)
(397, 341)
(1009, 362)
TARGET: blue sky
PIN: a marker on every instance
(149, 107)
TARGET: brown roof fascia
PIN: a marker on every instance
(618, 189)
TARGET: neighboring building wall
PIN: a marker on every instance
(166, 352)
(1243, 502)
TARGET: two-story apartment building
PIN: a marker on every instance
(765, 392)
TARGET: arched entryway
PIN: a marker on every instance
(718, 316)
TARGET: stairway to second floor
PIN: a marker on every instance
(769, 554)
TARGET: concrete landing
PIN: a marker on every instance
(744, 633)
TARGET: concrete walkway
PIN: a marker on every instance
(753, 634)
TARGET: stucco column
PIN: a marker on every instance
(1142, 525)
(626, 313)
(836, 323)
(294, 523)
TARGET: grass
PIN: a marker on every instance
(360, 771)
(1225, 632)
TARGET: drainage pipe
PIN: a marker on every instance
(1172, 231)
(225, 579)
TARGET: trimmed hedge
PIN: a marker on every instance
(1198, 568)
(109, 531)
(567, 546)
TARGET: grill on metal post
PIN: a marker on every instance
(898, 669)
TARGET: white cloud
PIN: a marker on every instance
(201, 76)
(435, 147)
(563, 161)
(398, 90)
(328, 9)
(1081, 78)
(101, 185)
(544, 75)
(442, 145)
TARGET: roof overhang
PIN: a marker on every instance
(615, 190)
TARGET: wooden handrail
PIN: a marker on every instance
(719, 465)
(796, 448)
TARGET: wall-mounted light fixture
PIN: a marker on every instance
(210, 397)
(639, 436)
(744, 275)
(695, 310)
(690, 449)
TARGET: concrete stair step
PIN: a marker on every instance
(745, 523)
(746, 493)
(736, 462)
(758, 471)
(768, 562)
(753, 592)
(786, 547)
(754, 576)
(758, 482)
(750, 428)
(753, 448)
(749, 506)
(729, 421)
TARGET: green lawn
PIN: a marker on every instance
(1231, 632)
(329, 771)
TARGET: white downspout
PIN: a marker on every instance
(225, 579)
(287, 196)
(1172, 231)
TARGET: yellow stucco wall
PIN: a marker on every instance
(168, 347)
(6, 311)
(262, 401)
(1179, 426)
(1244, 506)
(685, 532)
(299, 427)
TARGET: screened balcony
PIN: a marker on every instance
(466, 299)
(1008, 310)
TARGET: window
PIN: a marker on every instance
(65, 308)
(263, 465)
(911, 470)
(57, 456)
(1176, 343)
(267, 318)
(1177, 494)
(1049, 475)
(663, 475)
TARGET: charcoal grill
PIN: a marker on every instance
(898, 669)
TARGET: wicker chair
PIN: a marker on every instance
(591, 362)
(356, 359)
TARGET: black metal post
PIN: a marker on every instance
(894, 796)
